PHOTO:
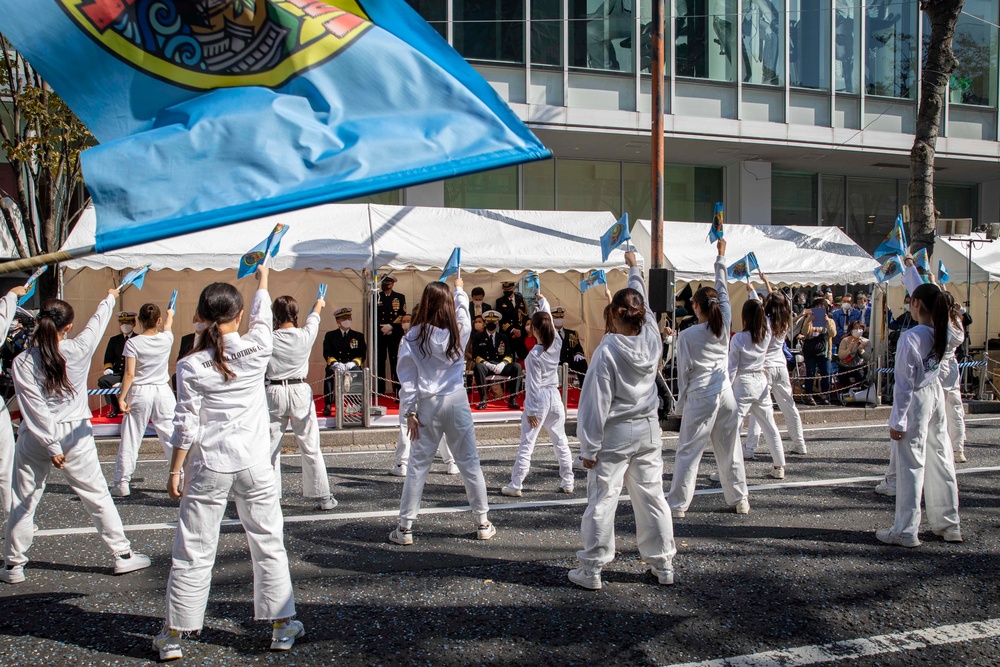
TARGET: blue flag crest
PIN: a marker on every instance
(593, 279)
(615, 236)
(716, 232)
(895, 242)
(743, 268)
(453, 266)
(30, 284)
(943, 276)
(259, 253)
(889, 269)
(247, 108)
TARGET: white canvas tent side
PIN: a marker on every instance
(339, 243)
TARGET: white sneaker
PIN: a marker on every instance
(714, 476)
(798, 450)
(665, 577)
(328, 503)
(511, 491)
(12, 575)
(168, 643)
(749, 454)
(677, 514)
(585, 579)
(453, 469)
(884, 489)
(886, 535)
(960, 455)
(401, 536)
(743, 507)
(131, 562)
(283, 635)
(777, 472)
(568, 490)
(121, 490)
(950, 534)
(486, 531)
(398, 471)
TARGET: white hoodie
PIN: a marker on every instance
(620, 384)
(702, 357)
(541, 370)
(438, 374)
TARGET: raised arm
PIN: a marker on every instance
(261, 317)
(767, 283)
(543, 305)
(636, 282)
(462, 312)
(168, 324)
(722, 287)
(88, 339)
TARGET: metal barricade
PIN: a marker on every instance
(352, 397)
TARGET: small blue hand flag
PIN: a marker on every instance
(614, 237)
(173, 301)
(891, 267)
(258, 255)
(453, 266)
(943, 276)
(136, 277)
(921, 260)
(743, 268)
(593, 279)
(716, 232)
(321, 293)
(31, 284)
(895, 242)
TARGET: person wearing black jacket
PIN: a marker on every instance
(493, 354)
(114, 359)
(513, 312)
(391, 308)
(572, 350)
(343, 349)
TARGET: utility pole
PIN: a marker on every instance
(656, 135)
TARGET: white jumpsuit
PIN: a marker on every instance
(224, 424)
(53, 424)
(543, 400)
(951, 381)
(433, 386)
(705, 401)
(924, 463)
(8, 308)
(290, 399)
(752, 391)
(149, 399)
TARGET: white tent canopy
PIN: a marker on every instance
(955, 255)
(787, 255)
(339, 237)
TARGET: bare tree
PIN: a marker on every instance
(43, 140)
(941, 62)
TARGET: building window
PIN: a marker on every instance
(546, 32)
(975, 79)
(638, 201)
(705, 39)
(589, 185)
(956, 201)
(690, 193)
(496, 189)
(833, 200)
(539, 183)
(603, 33)
(872, 207)
(793, 198)
(387, 198)
(847, 51)
(890, 48)
(762, 45)
(809, 43)
(434, 12)
(490, 31)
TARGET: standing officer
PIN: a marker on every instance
(513, 314)
(391, 308)
(343, 349)
(572, 350)
(114, 359)
(493, 355)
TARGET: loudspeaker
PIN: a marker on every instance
(661, 290)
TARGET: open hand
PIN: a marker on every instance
(413, 427)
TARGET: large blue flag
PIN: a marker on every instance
(259, 253)
(453, 266)
(895, 242)
(31, 284)
(890, 268)
(213, 112)
(615, 236)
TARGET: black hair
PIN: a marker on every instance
(285, 309)
(708, 302)
(149, 315)
(754, 321)
(932, 301)
(220, 303)
(628, 307)
(53, 318)
(478, 291)
(545, 331)
(437, 309)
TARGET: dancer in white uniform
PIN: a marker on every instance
(145, 394)
(290, 397)
(918, 423)
(705, 399)
(51, 383)
(431, 370)
(542, 404)
(221, 434)
(951, 379)
(620, 438)
(751, 390)
(8, 308)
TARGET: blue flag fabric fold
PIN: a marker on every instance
(259, 253)
(593, 279)
(31, 284)
(943, 276)
(173, 301)
(717, 232)
(252, 108)
(136, 278)
(890, 268)
(321, 292)
(743, 268)
(453, 265)
(895, 242)
(920, 259)
(615, 236)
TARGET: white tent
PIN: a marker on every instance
(787, 255)
(955, 255)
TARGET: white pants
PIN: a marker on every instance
(955, 414)
(753, 396)
(148, 402)
(403, 449)
(709, 419)
(924, 463)
(631, 454)
(552, 416)
(890, 472)
(82, 471)
(196, 541)
(6, 460)
(451, 417)
(781, 389)
(294, 403)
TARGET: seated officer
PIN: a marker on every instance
(572, 350)
(343, 349)
(478, 306)
(114, 360)
(493, 354)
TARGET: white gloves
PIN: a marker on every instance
(116, 385)
(579, 357)
(499, 366)
(350, 365)
(490, 366)
(108, 371)
(337, 366)
(386, 329)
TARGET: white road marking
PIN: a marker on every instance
(858, 648)
(502, 507)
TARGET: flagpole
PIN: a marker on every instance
(47, 259)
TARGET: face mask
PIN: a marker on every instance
(479, 301)
(508, 293)
(386, 287)
(558, 322)
(406, 326)
(846, 307)
(857, 333)
(199, 327)
(345, 324)
(126, 329)
(491, 326)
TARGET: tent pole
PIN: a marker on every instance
(48, 258)
(986, 344)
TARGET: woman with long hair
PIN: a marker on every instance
(145, 393)
(8, 309)
(918, 422)
(290, 398)
(222, 442)
(620, 438)
(542, 404)
(50, 378)
(751, 390)
(705, 399)
(431, 370)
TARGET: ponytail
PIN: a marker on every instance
(708, 302)
(220, 303)
(628, 309)
(53, 318)
(935, 302)
(754, 321)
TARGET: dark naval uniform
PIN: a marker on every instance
(344, 347)
(493, 348)
(513, 315)
(391, 308)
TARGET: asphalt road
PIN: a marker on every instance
(802, 569)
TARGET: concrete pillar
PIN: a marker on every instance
(989, 202)
(748, 193)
